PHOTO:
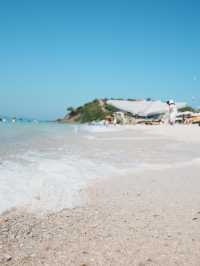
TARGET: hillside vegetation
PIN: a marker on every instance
(96, 110)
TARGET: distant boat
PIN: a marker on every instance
(3, 120)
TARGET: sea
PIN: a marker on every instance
(44, 166)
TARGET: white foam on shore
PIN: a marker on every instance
(43, 168)
(47, 184)
(105, 128)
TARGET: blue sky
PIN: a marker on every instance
(58, 53)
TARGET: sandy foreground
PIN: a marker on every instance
(150, 215)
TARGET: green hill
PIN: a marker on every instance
(96, 110)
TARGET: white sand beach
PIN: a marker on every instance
(147, 213)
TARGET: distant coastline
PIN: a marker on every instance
(7, 119)
(101, 109)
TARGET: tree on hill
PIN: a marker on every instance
(70, 109)
(91, 112)
(110, 108)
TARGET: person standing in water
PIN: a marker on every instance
(172, 112)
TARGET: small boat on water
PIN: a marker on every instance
(3, 120)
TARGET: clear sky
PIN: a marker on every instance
(59, 53)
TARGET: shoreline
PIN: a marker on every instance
(145, 217)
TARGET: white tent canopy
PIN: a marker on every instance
(143, 108)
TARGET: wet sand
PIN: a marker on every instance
(147, 215)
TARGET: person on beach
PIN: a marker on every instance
(172, 112)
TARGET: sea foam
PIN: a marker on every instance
(46, 166)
